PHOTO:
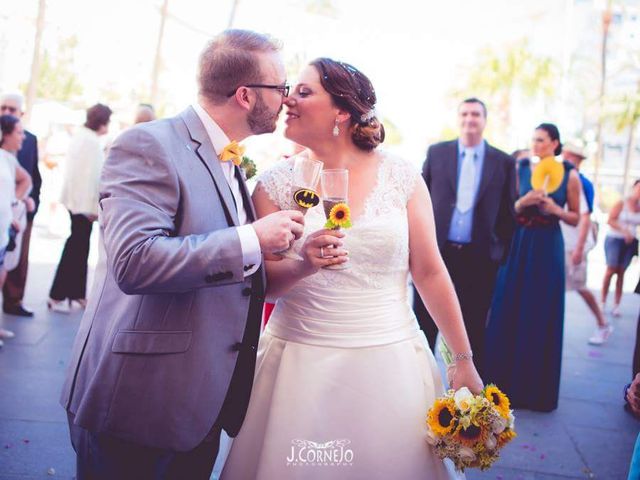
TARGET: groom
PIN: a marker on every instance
(165, 353)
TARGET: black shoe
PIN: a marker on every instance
(17, 310)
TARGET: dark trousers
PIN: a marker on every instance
(474, 278)
(71, 276)
(13, 291)
(104, 457)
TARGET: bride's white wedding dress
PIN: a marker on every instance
(344, 375)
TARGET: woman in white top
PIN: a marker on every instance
(80, 196)
(15, 185)
(621, 244)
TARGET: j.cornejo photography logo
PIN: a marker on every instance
(334, 453)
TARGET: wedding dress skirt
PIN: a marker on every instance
(338, 396)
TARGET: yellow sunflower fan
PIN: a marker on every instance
(547, 175)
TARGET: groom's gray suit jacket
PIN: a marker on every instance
(156, 350)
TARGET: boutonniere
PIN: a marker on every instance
(248, 168)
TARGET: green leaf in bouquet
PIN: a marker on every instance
(445, 352)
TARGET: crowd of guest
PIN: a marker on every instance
(513, 247)
(20, 185)
(514, 233)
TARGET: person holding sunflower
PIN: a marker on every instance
(342, 359)
(524, 333)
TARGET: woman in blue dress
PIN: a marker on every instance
(524, 332)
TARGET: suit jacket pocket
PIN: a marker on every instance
(151, 342)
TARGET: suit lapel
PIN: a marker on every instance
(488, 168)
(452, 166)
(207, 155)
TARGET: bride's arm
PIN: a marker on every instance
(434, 284)
(284, 273)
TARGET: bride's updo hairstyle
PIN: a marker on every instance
(352, 91)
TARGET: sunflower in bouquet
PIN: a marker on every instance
(470, 429)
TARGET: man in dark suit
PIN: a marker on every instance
(13, 291)
(473, 191)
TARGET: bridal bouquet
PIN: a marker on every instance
(470, 429)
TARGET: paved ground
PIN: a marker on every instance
(589, 436)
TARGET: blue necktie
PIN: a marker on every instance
(466, 184)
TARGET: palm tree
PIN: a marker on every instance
(607, 15)
(625, 115)
(232, 15)
(36, 60)
(499, 75)
(157, 63)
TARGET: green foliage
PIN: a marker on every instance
(623, 110)
(511, 69)
(392, 135)
(57, 79)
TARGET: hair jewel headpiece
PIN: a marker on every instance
(368, 116)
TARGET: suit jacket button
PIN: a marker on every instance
(246, 291)
(236, 347)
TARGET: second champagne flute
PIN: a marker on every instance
(335, 192)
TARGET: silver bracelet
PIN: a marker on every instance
(463, 356)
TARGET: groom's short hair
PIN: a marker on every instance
(229, 61)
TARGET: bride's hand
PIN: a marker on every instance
(464, 374)
(323, 248)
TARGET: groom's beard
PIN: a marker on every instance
(261, 119)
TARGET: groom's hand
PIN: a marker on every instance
(277, 230)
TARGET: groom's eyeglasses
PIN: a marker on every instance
(283, 89)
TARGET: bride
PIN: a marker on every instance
(344, 375)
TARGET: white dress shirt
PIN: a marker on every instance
(251, 253)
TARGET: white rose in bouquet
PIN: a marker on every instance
(463, 399)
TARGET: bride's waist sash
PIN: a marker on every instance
(342, 317)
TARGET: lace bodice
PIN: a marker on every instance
(378, 242)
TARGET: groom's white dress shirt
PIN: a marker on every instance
(251, 253)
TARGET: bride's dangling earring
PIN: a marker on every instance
(336, 130)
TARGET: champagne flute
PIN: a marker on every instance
(335, 190)
(306, 173)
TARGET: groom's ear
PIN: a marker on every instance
(244, 98)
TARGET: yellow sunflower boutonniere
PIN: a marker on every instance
(339, 217)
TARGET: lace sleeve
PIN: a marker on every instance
(277, 183)
(404, 176)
